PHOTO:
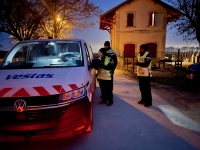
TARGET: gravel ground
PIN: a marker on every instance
(177, 91)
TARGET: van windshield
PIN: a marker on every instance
(44, 54)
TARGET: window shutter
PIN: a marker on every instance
(129, 50)
(150, 19)
(130, 19)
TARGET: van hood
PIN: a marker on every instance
(41, 82)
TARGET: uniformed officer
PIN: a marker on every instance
(111, 53)
(144, 75)
(105, 77)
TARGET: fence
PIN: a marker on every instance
(129, 61)
(173, 61)
(186, 55)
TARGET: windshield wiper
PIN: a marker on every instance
(51, 66)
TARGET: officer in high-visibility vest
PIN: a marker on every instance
(105, 78)
(144, 75)
(111, 53)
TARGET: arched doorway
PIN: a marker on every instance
(129, 50)
(152, 47)
(129, 54)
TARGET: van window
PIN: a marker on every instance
(90, 51)
(87, 54)
(44, 54)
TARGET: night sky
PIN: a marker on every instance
(96, 37)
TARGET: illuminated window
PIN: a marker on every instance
(152, 19)
(130, 18)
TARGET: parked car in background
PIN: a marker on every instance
(46, 89)
(192, 72)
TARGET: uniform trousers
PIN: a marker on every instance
(106, 90)
(112, 83)
(112, 80)
(145, 89)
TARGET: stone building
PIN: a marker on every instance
(135, 22)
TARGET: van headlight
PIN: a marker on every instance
(72, 95)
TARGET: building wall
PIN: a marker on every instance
(141, 32)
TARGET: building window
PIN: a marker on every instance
(130, 18)
(152, 19)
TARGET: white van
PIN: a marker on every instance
(46, 89)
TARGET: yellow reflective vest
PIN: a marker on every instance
(144, 71)
(104, 74)
(111, 52)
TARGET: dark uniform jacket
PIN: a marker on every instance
(114, 57)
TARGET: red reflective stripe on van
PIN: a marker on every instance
(4, 91)
(22, 92)
(41, 90)
(59, 88)
(73, 86)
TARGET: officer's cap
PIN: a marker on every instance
(103, 50)
(107, 43)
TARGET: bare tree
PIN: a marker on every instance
(65, 15)
(28, 19)
(19, 19)
(189, 24)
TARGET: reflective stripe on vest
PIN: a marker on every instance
(144, 71)
(111, 51)
(110, 61)
(141, 59)
(104, 74)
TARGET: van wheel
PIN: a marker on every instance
(89, 129)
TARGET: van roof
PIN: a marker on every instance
(57, 39)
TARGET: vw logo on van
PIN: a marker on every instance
(20, 105)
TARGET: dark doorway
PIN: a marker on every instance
(129, 50)
(152, 49)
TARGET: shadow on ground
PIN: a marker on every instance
(119, 127)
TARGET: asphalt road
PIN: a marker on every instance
(119, 127)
